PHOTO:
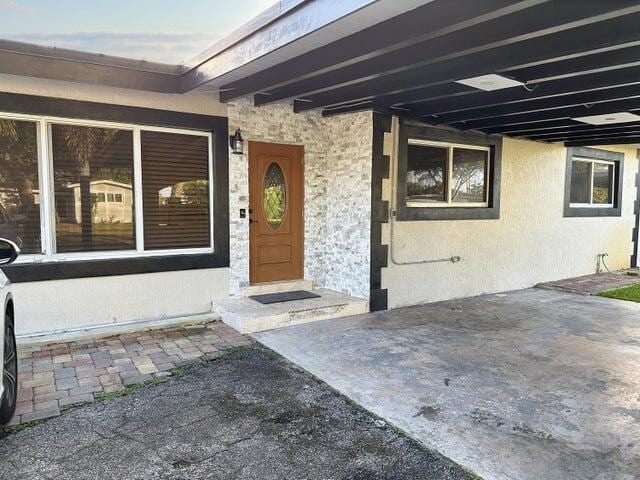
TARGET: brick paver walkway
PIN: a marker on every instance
(56, 376)
(592, 284)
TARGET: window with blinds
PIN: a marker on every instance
(90, 166)
(110, 190)
(175, 190)
(19, 189)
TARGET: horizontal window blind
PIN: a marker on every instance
(175, 173)
(89, 165)
(19, 190)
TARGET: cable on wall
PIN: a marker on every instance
(395, 125)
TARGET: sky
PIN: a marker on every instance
(168, 31)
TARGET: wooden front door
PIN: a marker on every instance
(275, 212)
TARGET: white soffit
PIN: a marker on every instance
(490, 82)
(609, 118)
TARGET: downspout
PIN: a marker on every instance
(395, 130)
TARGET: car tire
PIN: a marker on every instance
(9, 373)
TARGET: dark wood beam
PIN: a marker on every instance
(582, 129)
(429, 21)
(587, 143)
(567, 113)
(474, 104)
(589, 97)
(507, 29)
(356, 107)
(608, 58)
(594, 136)
(582, 36)
(521, 130)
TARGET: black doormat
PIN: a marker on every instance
(268, 298)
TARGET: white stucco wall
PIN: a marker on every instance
(531, 242)
(337, 186)
(59, 305)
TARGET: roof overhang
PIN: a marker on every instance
(566, 60)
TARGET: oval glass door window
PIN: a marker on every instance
(274, 195)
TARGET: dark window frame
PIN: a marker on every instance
(594, 154)
(81, 110)
(410, 130)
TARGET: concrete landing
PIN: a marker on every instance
(248, 316)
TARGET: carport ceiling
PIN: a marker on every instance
(575, 58)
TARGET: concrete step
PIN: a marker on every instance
(248, 316)
(278, 287)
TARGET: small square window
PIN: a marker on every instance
(594, 182)
(446, 175)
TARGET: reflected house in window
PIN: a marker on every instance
(111, 202)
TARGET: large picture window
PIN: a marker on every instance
(72, 189)
(594, 182)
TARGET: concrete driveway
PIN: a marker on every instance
(528, 385)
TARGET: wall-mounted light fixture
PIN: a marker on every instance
(236, 143)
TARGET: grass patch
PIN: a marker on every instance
(6, 431)
(630, 294)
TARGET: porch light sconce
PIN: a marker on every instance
(237, 143)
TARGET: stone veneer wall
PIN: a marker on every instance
(337, 156)
(348, 210)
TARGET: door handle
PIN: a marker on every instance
(251, 220)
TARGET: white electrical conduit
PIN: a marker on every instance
(395, 126)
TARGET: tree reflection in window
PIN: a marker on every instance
(426, 173)
(469, 173)
(19, 190)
